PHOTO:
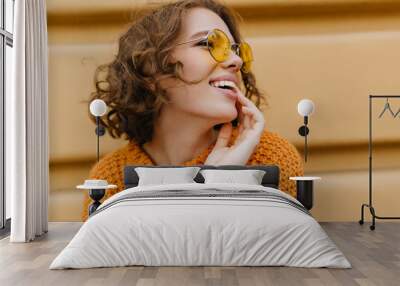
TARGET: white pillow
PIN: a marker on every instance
(162, 176)
(249, 177)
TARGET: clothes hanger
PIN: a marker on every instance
(387, 106)
(398, 111)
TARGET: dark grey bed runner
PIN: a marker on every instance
(204, 193)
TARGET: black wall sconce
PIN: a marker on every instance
(98, 108)
(305, 108)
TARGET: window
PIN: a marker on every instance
(6, 62)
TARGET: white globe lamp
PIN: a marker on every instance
(305, 108)
(98, 108)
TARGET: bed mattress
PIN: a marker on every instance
(201, 225)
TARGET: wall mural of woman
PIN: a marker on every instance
(181, 91)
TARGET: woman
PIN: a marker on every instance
(175, 92)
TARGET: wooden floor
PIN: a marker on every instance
(374, 255)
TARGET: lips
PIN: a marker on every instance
(226, 84)
(226, 77)
(231, 94)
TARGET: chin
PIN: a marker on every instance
(220, 112)
(226, 115)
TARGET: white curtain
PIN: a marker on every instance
(26, 124)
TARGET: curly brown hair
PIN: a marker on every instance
(128, 84)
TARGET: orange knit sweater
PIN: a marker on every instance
(272, 149)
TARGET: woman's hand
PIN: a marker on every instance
(251, 126)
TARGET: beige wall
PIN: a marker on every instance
(334, 52)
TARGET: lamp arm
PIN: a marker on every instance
(97, 135)
(305, 138)
(100, 131)
(305, 147)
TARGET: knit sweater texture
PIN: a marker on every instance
(271, 150)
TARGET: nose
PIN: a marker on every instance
(234, 62)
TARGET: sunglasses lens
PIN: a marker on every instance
(218, 45)
(247, 56)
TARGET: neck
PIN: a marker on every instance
(178, 138)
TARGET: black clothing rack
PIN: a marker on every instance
(370, 205)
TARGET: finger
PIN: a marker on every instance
(224, 135)
(251, 110)
(254, 126)
(257, 117)
(253, 117)
(246, 101)
(239, 112)
(259, 120)
(246, 126)
(247, 110)
(239, 118)
(246, 119)
(240, 129)
(241, 121)
(243, 99)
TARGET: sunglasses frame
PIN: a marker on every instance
(235, 47)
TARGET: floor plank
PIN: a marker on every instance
(374, 255)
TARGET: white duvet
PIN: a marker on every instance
(200, 231)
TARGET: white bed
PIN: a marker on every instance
(252, 225)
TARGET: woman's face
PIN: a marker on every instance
(202, 98)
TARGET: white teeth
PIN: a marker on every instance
(222, 83)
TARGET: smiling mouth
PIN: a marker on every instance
(227, 88)
(223, 84)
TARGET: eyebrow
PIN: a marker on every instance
(198, 34)
(204, 33)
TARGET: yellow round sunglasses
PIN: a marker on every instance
(219, 46)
